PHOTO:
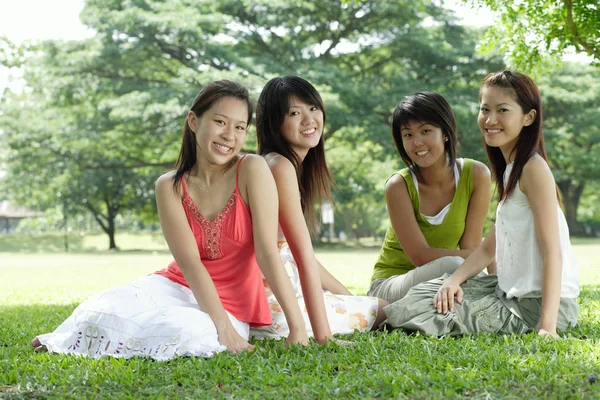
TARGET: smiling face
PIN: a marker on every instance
(220, 130)
(423, 143)
(302, 126)
(501, 119)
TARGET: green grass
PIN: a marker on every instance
(40, 286)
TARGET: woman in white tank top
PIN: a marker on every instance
(538, 276)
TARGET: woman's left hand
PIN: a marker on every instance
(444, 298)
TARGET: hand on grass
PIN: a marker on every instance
(297, 337)
(443, 301)
(331, 339)
(233, 341)
(341, 342)
(548, 334)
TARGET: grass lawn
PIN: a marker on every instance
(40, 286)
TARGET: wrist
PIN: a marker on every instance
(297, 330)
(453, 279)
(547, 325)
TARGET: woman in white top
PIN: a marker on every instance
(290, 117)
(538, 276)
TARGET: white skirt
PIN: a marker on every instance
(345, 314)
(150, 317)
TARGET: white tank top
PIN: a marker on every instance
(518, 255)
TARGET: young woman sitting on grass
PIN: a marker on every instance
(437, 205)
(218, 212)
(290, 118)
(538, 276)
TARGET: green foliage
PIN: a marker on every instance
(101, 117)
(572, 134)
(534, 34)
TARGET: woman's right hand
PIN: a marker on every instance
(229, 338)
(296, 337)
(443, 301)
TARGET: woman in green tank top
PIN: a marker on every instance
(437, 205)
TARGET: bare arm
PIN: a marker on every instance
(329, 282)
(182, 244)
(477, 211)
(258, 184)
(404, 222)
(478, 207)
(296, 233)
(538, 185)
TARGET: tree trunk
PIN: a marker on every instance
(571, 195)
(108, 225)
(110, 231)
(66, 227)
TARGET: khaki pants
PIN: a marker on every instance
(396, 287)
(485, 308)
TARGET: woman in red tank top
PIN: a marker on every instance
(218, 212)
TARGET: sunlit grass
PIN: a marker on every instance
(38, 290)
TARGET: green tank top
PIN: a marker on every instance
(392, 258)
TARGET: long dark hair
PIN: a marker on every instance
(531, 139)
(207, 97)
(427, 107)
(314, 178)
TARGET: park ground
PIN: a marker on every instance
(40, 285)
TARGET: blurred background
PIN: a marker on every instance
(93, 95)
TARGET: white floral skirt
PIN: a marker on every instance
(344, 313)
(150, 317)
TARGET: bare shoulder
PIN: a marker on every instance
(536, 174)
(252, 167)
(279, 164)
(536, 167)
(481, 173)
(395, 185)
(165, 182)
(281, 167)
(251, 161)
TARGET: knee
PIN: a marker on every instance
(382, 303)
(450, 264)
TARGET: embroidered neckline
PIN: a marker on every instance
(212, 229)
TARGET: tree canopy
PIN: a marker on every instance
(528, 31)
(101, 118)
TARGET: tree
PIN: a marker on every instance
(571, 112)
(67, 143)
(116, 101)
(528, 31)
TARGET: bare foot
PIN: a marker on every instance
(37, 345)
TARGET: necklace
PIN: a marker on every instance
(206, 189)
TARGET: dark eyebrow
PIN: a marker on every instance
(227, 117)
(498, 105)
(406, 128)
(308, 104)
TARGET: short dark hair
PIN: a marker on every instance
(427, 107)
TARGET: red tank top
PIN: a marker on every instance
(226, 247)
